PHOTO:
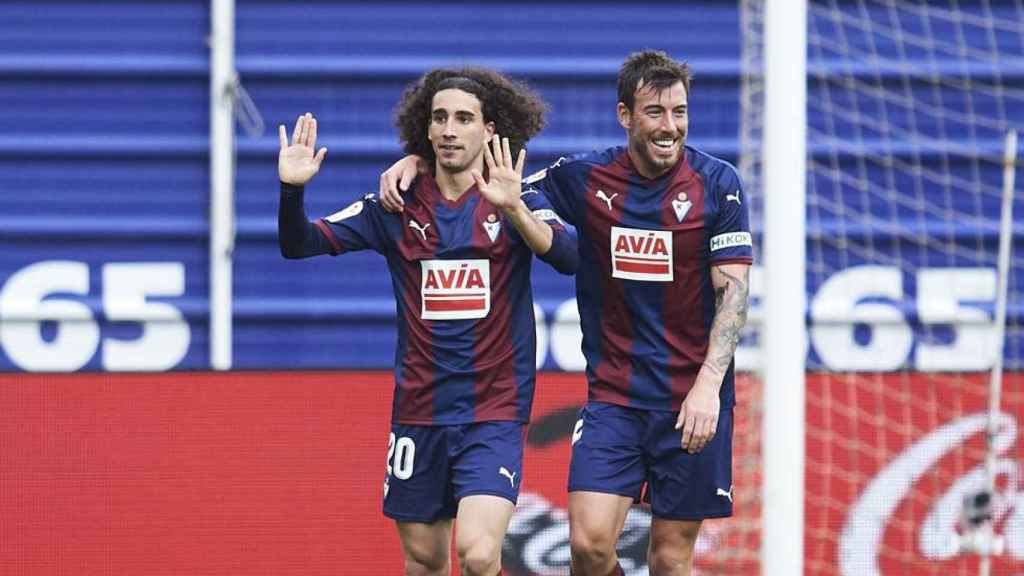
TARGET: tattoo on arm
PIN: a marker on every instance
(730, 316)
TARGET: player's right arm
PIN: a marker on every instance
(296, 165)
(352, 228)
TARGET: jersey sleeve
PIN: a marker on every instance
(563, 254)
(359, 226)
(551, 183)
(730, 241)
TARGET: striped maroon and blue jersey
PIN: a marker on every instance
(646, 249)
(461, 277)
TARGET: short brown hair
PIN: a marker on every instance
(655, 69)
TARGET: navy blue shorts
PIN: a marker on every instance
(619, 450)
(431, 468)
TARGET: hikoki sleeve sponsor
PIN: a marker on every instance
(730, 240)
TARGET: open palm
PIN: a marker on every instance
(299, 161)
(504, 182)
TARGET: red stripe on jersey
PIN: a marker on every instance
(495, 387)
(415, 391)
(627, 265)
(433, 305)
(614, 371)
(326, 230)
(683, 303)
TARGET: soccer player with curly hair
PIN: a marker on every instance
(460, 257)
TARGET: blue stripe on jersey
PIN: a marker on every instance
(523, 329)
(645, 300)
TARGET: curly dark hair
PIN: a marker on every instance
(656, 69)
(515, 108)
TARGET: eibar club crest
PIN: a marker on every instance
(492, 225)
(681, 205)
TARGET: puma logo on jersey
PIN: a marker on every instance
(510, 475)
(602, 196)
(724, 493)
(734, 197)
(421, 229)
(642, 254)
(455, 289)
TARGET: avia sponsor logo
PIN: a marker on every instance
(642, 254)
(902, 513)
(729, 240)
(455, 289)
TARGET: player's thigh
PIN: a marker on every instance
(596, 518)
(481, 523)
(426, 544)
(489, 461)
(418, 483)
(687, 487)
(607, 451)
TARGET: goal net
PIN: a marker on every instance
(909, 107)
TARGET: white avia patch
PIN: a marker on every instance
(510, 475)
(455, 289)
(733, 197)
(729, 240)
(353, 209)
(642, 254)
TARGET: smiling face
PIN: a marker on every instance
(457, 130)
(656, 126)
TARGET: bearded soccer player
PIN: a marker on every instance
(459, 257)
(662, 289)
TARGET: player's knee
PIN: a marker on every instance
(670, 562)
(480, 557)
(592, 547)
(671, 551)
(421, 562)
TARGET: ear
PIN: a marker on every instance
(625, 116)
(489, 129)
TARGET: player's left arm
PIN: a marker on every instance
(698, 417)
(731, 254)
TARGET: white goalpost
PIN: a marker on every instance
(879, 148)
(783, 333)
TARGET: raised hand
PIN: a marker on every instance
(297, 163)
(505, 185)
